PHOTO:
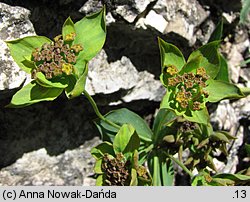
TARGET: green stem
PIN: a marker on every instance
(181, 165)
(98, 113)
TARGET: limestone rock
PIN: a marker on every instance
(127, 9)
(147, 88)
(182, 16)
(228, 117)
(14, 24)
(156, 21)
(122, 75)
(90, 6)
(108, 78)
(73, 167)
(234, 54)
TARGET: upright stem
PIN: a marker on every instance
(181, 165)
(98, 113)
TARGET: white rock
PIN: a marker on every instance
(15, 24)
(114, 76)
(156, 21)
(147, 88)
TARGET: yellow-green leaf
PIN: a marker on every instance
(219, 90)
(33, 93)
(22, 48)
(60, 82)
(170, 55)
(126, 140)
(68, 27)
(91, 34)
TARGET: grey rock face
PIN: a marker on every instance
(73, 167)
(122, 75)
(180, 17)
(127, 9)
(113, 76)
(228, 117)
(14, 23)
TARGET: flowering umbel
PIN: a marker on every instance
(58, 65)
(55, 58)
(187, 88)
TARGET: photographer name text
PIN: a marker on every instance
(55, 194)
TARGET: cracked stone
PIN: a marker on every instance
(15, 24)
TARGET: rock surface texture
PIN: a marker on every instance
(49, 143)
(14, 23)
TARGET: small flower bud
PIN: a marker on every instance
(172, 70)
(70, 37)
(67, 68)
(171, 82)
(57, 38)
(76, 48)
(189, 84)
(169, 139)
(196, 105)
(201, 71)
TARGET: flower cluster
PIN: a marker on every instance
(55, 58)
(188, 87)
(116, 170)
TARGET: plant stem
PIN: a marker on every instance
(98, 113)
(181, 165)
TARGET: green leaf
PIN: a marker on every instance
(223, 72)
(235, 177)
(60, 82)
(91, 34)
(192, 65)
(219, 90)
(134, 180)
(99, 180)
(217, 33)
(154, 169)
(29, 64)
(101, 149)
(221, 182)
(162, 119)
(161, 169)
(210, 58)
(71, 84)
(218, 136)
(22, 48)
(165, 101)
(68, 27)
(201, 116)
(98, 167)
(120, 117)
(199, 180)
(126, 140)
(170, 55)
(77, 87)
(33, 93)
(245, 11)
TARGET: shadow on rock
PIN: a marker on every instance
(57, 126)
